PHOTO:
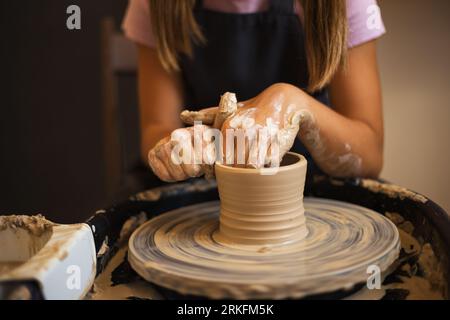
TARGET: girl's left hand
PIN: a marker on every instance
(275, 114)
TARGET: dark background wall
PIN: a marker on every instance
(50, 158)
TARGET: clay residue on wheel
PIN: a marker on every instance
(392, 190)
(36, 225)
(155, 194)
(105, 288)
(6, 266)
(130, 225)
(422, 274)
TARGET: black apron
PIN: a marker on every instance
(245, 54)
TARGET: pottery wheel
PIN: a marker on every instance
(178, 250)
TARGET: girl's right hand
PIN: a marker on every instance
(165, 158)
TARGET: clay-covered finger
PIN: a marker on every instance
(273, 154)
(260, 149)
(251, 148)
(181, 145)
(295, 118)
(192, 170)
(162, 157)
(158, 167)
(227, 107)
(205, 116)
(175, 169)
(188, 164)
(210, 110)
(162, 141)
(240, 148)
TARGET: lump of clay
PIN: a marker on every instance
(21, 238)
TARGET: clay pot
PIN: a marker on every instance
(261, 209)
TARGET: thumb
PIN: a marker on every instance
(214, 116)
(295, 118)
(206, 116)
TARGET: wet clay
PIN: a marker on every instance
(21, 238)
(392, 191)
(425, 277)
(418, 275)
(36, 225)
(119, 281)
(5, 267)
(258, 209)
(105, 289)
(177, 250)
(263, 241)
(344, 163)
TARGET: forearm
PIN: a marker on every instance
(160, 100)
(340, 146)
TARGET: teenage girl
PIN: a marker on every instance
(314, 57)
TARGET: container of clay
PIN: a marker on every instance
(262, 206)
(40, 259)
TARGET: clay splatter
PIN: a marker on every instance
(392, 190)
(36, 225)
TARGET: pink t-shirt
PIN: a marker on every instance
(364, 18)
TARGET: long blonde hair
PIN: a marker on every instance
(325, 26)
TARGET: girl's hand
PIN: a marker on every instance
(166, 158)
(263, 129)
(186, 153)
(270, 122)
